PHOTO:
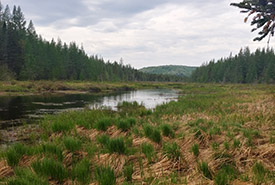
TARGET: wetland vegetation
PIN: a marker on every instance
(213, 134)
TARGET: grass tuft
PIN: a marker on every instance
(105, 176)
(167, 130)
(48, 167)
(148, 151)
(172, 150)
(81, 172)
(259, 173)
(128, 172)
(103, 124)
(204, 169)
(71, 143)
(195, 150)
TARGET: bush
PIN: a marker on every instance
(195, 150)
(148, 151)
(71, 143)
(81, 171)
(49, 167)
(105, 176)
(167, 131)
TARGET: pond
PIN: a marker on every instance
(13, 109)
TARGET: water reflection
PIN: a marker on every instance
(35, 106)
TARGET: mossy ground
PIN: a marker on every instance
(214, 134)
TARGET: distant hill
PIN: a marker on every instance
(177, 70)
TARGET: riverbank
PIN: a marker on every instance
(222, 134)
(24, 88)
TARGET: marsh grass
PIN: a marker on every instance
(148, 151)
(104, 175)
(50, 149)
(128, 172)
(103, 124)
(167, 130)
(152, 133)
(226, 174)
(82, 172)
(195, 150)
(117, 145)
(48, 167)
(204, 169)
(25, 176)
(259, 173)
(126, 124)
(16, 152)
(71, 143)
(172, 150)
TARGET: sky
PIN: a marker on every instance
(145, 32)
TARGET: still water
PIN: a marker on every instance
(16, 108)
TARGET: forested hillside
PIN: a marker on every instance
(246, 67)
(24, 55)
(178, 70)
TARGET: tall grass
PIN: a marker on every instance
(14, 153)
(104, 175)
(152, 133)
(204, 168)
(103, 124)
(82, 172)
(167, 130)
(126, 124)
(48, 167)
(172, 150)
(71, 143)
(50, 149)
(148, 151)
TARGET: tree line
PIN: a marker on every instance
(245, 67)
(24, 55)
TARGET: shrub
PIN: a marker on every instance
(148, 151)
(203, 167)
(49, 167)
(172, 150)
(81, 171)
(105, 176)
(167, 131)
(195, 150)
(103, 124)
(72, 143)
(128, 172)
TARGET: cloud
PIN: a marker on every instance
(145, 33)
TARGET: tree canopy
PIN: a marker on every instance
(264, 16)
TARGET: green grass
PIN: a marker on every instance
(104, 175)
(204, 169)
(152, 133)
(195, 150)
(167, 130)
(82, 172)
(126, 124)
(15, 153)
(51, 149)
(172, 150)
(71, 143)
(103, 124)
(103, 139)
(128, 172)
(225, 175)
(116, 145)
(259, 173)
(25, 176)
(236, 143)
(148, 151)
(49, 167)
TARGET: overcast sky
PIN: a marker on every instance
(145, 32)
